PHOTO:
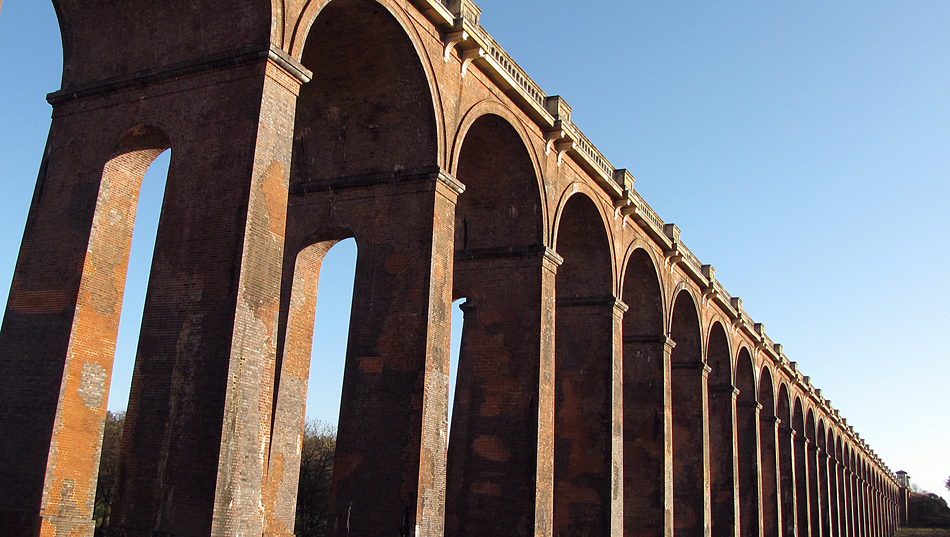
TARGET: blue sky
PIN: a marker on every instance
(803, 149)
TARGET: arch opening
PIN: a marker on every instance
(312, 350)
(645, 426)
(802, 474)
(786, 466)
(365, 138)
(814, 473)
(142, 245)
(502, 269)
(747, 428)
(722, 436)
(769, 463)
(834, 481)
(587, 321)
(691, 502)
(824, 476)
(125, 227)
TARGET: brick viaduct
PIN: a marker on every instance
(608, 384)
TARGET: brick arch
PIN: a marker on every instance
(645, 345)
(299, 290)
(76, 409)
(369, 110)
(801, 450)
(747, 429)
(786, 451)
(749, 351)
(690, 426)
(783, 404)
(639, 244)
(366, 159)
(719, 361)
(502, 268)
(811, 424)
(584, 361)
(798, 416)
(483, 108)
(835, 443)
(688, 324)
(814, 476)
(724, 322)
(642, 291)
(766, 395)
(721, 431)
(769, 449)
(841, 491)
(503, 202)
(824, 478)
(571, 196)
(312, 11)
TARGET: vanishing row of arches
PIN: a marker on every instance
(595, 394)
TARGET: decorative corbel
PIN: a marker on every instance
(452, 39)
(561, 148)
(738, 323)
(469, 55)
(736, 304)
(631, 209)
(760, 331)
(673, 255)
(621, 204)
(710, 292)
(626, 206)
(550, 138)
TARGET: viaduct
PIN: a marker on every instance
(608, 384)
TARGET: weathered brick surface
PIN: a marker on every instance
(768, 455)
(596, 397)
(691, 507)
(787, 477)
(584, 356)
(723, 463)
(748, 445)
(501, 268)
(647, 421)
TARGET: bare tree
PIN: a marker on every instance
(313, 496)
(316, 471)
(108, 468)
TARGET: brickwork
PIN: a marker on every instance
(723, 447)
(691, 498)
(501, 267)
(748, 412)
(768, 457)
(608, 384)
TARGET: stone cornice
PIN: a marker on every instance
(147, 77)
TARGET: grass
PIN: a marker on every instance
(922, 532)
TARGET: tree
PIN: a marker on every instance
(313, 496)
(316, 471)
(927, 511)
(108, 468)
(948, 483)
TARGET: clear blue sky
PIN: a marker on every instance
(803, 148)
